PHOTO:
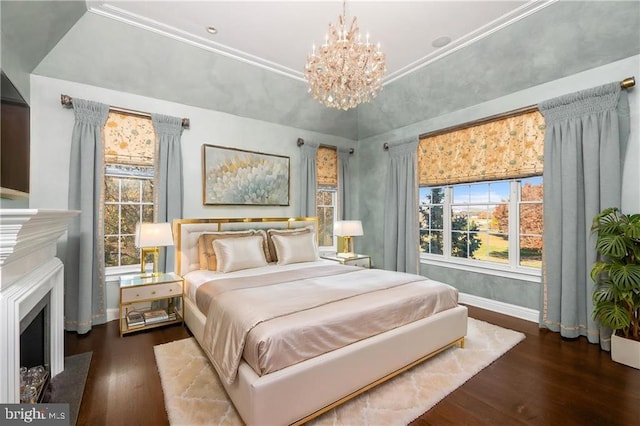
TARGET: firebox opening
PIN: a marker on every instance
(34, 336)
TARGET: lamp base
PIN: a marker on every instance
(143, 261)
(346, 255)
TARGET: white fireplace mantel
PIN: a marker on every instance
(29, 271)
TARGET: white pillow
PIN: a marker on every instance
(295, 248)
(234, 254)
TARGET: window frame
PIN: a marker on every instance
(114, 269)
(334, 200)
(512, 269)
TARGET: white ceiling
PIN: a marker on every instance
(278, 35)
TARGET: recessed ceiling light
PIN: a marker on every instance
(441, 41)
(212, 30)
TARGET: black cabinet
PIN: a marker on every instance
(14, 155)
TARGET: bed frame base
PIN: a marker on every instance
(370, 386)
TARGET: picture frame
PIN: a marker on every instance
(232, 176)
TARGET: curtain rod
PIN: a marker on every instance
(627, 83)
(67, 101)
(300, 142)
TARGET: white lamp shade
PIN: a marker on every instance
(348, 228)
(153, 235)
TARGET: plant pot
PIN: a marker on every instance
(625, 351)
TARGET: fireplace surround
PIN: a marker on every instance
(30, 273)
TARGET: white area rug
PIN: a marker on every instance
(194, 396)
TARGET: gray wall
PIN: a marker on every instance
(508, 290)
(29, 32)
(371, 178)
(107, 53)
(51, 127)
(560, 40)
(7, 203)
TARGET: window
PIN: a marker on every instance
(326, 194)
(326, 206)
(473, 221)
(530, 222)
(481, 193)
(129, 151)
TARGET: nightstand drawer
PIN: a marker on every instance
(364, 262)
(151, 292)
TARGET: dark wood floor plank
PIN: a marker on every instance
(544, 380)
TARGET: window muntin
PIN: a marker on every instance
(326, 207)
(472, 213)
(473, 222)
(431, 218)
(128, 200)
(530, 221)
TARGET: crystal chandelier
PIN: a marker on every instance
(345, 71)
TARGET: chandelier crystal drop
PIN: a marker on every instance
(345, 71)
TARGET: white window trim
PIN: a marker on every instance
(114, 272)
(521, 273)
(511, 270)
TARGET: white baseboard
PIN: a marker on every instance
(112, 314)
(516, 311)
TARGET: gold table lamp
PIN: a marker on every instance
(149, 237)
(348, 229)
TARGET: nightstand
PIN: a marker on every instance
(355, 260)
(164, 290)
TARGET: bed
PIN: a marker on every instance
(310, 334)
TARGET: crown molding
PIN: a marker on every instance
(114, 12)
(467, 40)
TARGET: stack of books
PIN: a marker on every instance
(159, 315)
(135, 319)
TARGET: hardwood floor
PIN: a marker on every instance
(544, 380)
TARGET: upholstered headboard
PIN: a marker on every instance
(187, 231)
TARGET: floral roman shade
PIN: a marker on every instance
(506, 148)
(327, 163)
(129, 139)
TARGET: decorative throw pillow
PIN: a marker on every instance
(206, 254)
(282, 232)
(234, 254)
(265, 246)
(295, 248)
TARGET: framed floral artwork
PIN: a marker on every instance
(238, 177)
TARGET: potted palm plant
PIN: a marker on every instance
(616, 294)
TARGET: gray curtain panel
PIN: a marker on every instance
(85, 292)
(168, 178)
(584, 148)
(344, 184)
(401, 226)
(308, 179)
